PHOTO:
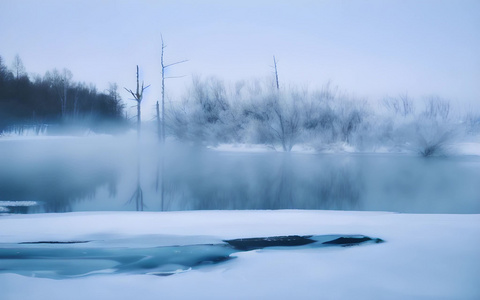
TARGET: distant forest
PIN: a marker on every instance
(55, 99)
(248, 112)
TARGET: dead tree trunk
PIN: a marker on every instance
(159, 121)
(276, 73)
(161, 124)
(138, 97)
(164, 67)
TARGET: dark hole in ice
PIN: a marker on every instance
(55, 242)
(276, 241)
(66, 259)
(352, 241)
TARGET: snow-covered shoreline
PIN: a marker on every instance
(455, 149)
(425, 256)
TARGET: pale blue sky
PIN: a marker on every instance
(370, 48)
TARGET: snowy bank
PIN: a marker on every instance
(461, 148)
(423, 257)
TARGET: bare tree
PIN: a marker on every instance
(116, 98)
(164, 67)
(138, 96)
(277, 119)
(287, 129)
(401, 105)
(60, 81)
(288, 117)
(436, 107)
(66, 78)
(18, 68)
(161, 121)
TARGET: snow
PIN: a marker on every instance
(18, 203)
(466, 148)
(244, 148)
(5, 204)
(461, 148)
(471, 147)
(425, 256)
(7, 138)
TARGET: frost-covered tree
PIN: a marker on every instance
(284, 123)
(434, 128)
(205, 114)
(428, 130)
(265, 113)
(275, 117)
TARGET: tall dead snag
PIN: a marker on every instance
(164, 67)
(278, 109)
(287, 127)
(161, 123)
(163, 93)
(276, 73)
(138, 96)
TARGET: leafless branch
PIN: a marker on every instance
(172, 77)
(175, 63)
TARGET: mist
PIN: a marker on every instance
(239, 148)
(321, 149)
(103, 172)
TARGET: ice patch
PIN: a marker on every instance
(66, 259)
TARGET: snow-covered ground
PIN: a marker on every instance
(467, 148)
(460, 148)
(470, 146)
(423, 257)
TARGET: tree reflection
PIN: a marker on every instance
(266, 181)
(56, 187)
(57, 174)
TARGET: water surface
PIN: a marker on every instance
(114, 173)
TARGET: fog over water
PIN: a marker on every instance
(102, 173)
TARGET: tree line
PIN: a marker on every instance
(55, 99)
(248, 112)
(325, 119)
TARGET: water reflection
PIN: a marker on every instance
(264, 181)
(55, 186)
(55, 175)
(99, 174)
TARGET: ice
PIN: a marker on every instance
(424, 257)
(64, 259)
